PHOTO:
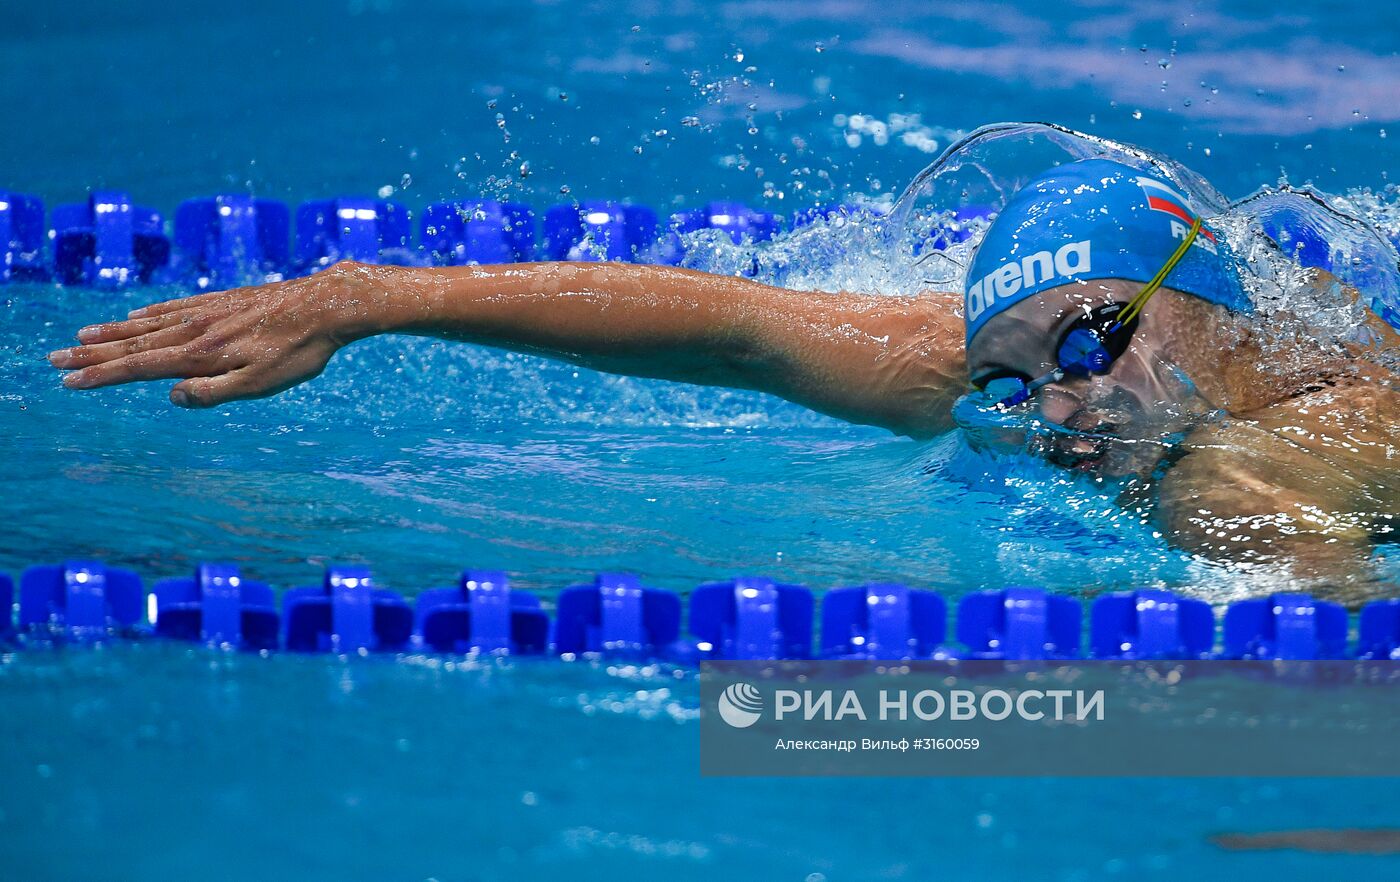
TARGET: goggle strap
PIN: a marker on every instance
(1137, 303)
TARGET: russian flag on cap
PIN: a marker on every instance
(1160, 197)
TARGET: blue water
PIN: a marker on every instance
(422, 458)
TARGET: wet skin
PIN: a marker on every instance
(1301, 473)
(1289, 453)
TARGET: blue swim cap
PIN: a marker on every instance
(1094, 219)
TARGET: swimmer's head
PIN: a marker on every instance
(1093, 219)
(1066, 248)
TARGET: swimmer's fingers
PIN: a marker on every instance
(252, 381)
(200, 315)
(101, 353)
(169, 306)
(106, 332)
(212, 391)
(156, 364)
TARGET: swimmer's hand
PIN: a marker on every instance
(895, 362)
(224, 346)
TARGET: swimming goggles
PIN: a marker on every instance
(1090, 345)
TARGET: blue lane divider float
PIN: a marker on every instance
(960, 228)
(221, 241)
(617, 616)
(596, 230)
(806, 216)
(1019, 623)
(751, 618)
(21, 237)
(1378, 632)
(483, 231)
(352, 228)
(346, 614)
(1285, 626)
(739, 221)
(1296, 235)
(883, 621)
(734, 218)
(79, 600)
(108, 241)
(482, 614)
(1151, 625)
(218, 607)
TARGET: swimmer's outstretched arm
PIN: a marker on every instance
(886, 361)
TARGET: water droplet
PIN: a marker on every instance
(821, 48)
(1341, 67)
(1186, 103)
(1163, 63)
(525, 169)
(1137, 114)
(405, 182)
(595, 140)
(739, 56)
(564, 189)
(637, 149)
(563, 96)
(690, 121)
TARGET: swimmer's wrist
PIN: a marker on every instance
(364, 300)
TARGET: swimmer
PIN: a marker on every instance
(1102, 327)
